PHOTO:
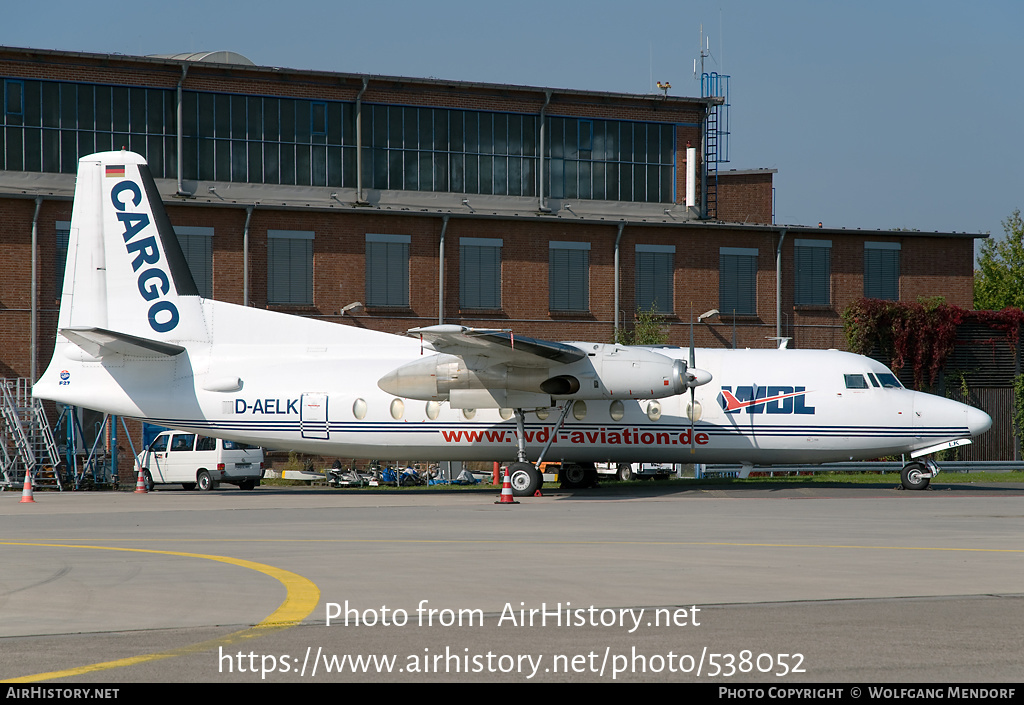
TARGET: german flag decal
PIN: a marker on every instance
(116, 171)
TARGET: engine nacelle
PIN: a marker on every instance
(607, 372)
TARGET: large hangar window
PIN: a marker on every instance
(268, 140)
(48, 125)
(613, 160)
(462, 151)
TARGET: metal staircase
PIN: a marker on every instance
(26, 438)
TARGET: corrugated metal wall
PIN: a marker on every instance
(987, 362)
(998, 442)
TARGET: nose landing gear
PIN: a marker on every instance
(917, 475)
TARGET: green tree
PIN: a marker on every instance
(999, 279)
(648, 329)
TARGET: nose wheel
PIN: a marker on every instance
(917, 476)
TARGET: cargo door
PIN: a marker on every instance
(313, 417)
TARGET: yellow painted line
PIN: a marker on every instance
(302, 598)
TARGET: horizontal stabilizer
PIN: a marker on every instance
(99, 342)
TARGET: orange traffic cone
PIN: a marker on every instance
(506, 491)
(140, 484)
(26, 491)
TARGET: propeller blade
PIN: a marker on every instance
(693, 409)
(693, 361)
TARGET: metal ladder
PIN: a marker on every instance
(711, 161)
(716, 136)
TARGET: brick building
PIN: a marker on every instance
(554, 213)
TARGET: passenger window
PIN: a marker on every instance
(206, 443)
(856, 382)
(183, 441)
(159, 444)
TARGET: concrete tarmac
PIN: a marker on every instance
(654, 582)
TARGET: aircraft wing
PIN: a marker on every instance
(496, 346)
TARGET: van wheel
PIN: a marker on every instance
(573, 476)
(189, 485)
(205, 482)
(626, 472)
(246, 484)
(148, 480)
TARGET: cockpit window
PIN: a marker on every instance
(856, 382)
(889, 381)
(874, 380)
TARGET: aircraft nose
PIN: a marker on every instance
(978, 421)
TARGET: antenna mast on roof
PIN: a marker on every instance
(705, 52)
(715, 128)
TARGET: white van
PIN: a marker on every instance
(635, 471)
(200, 461)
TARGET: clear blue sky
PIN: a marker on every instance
(877, 114)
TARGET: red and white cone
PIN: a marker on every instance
(140, 484)
(506, 491)
(26, 491)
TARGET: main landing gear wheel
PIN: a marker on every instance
(915, 476)
(525, 479)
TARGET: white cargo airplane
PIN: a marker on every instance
(135, 339)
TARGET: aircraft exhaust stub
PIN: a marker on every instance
(614, 372)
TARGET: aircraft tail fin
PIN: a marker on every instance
(126, 273)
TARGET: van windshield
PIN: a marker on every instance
(238, 445)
